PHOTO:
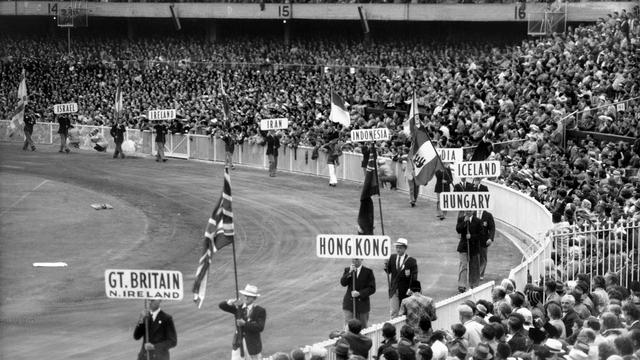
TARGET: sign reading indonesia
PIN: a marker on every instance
(362, 135)
(466, 200)
(353, 246)
(274, 124)
(143, 284)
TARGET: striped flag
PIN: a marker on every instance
(339, 113)
(16, 124)
(225, 102)
(423, 155)
(118, 103)
(369, 187)
(218, 234)
(413, 112)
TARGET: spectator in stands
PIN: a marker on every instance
(438, 345)
(473, 332)
(416, 306)
(569, 315)
(631, 314)
(459, 345)
(341, 349)
(389, 338)
(358, 343)
(406, 345)
(520, 340)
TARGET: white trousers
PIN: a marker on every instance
(235, 354)
(332, 174)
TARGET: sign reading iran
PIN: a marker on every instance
(450, 155)
(481, 200)
(353, 246)
(65, 108)
(165, 114)
(362, 135)
(274, 124)
(477, 169)
(143, 284)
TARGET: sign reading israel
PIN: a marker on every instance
(353, 246)
(362, 135)
(165, 114)
(481, 200)
(65, 108)
(143, 284)
(477, 169)
(274, 124)
(450, 155)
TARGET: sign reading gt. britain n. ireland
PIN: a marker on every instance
(467, 200)
(353, 246)
(143, 284)
(163, 114)
(476, 169)
(274, 124)
(363, 135)
(65, 108)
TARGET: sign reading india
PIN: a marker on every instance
(65, 108)
(165, 114)
(274, 124)
(450, 155)
(143, 284)
(353, 246)
(362, 135)
(467, 200)
(477, 169)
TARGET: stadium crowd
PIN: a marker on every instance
(517, 100)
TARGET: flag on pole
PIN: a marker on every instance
(17, 119)
(225, 102)
(218, 234)
(369, 188)
(413, 112)
(423, 155)
(118, 103)
(339, 113)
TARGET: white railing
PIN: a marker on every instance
(515, 209)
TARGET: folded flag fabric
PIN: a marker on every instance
(339, 113)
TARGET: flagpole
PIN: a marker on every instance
(235, 274)
(375, 167)
(146, 327)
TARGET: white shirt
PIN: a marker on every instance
(154, 314)
(400, 262)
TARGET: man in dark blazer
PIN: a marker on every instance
(250, 321)
(273, 144)
(358, 344)
(469, 227)
(444, 178)
(365, 286)
(488, 235)
(162, 333)
(403, 270)
(477, 185)
(463, 185)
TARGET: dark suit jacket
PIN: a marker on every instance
(468, 186)
(480, 187)
(399, 280)
(273, 144)
(569, 319)
(358, 344)
(488, 230)
(162, 334)
(443, 181)
(365, 284)
(254, 325)
(474, 228)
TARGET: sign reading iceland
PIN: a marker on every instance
(466, 200)
(362, 135)
(65, 108)
(274, 124)
(143, 284)
(477, 169)
(353, 246)
(450, 155)
(166, 114)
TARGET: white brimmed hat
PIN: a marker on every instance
(402, 241)
(250, 290)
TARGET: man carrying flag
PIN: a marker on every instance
(339, 113)
(218, 234)
(17, 120)
(423, 155)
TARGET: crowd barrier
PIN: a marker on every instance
(514, 209)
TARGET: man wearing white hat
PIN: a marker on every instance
(403, 270)
(250, 321)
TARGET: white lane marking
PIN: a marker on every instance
(49, 264)
(22, 198)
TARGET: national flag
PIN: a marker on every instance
(369, 187)
(17, 119)
(339, 113)
(118, 102)
(225, 101)
(22, 88)
(218, 234)
(413, 112)
(423, 155)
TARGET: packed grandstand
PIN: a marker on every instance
(561, 113)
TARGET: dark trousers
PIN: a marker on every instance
(63, 143)
(118, 151)
(28, 141)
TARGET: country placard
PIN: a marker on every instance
(274, 124)
(476, 169)
(161, 114)
(143, 284)
(65, 108)
(353, 246)
(450, 155)
(363, 135)
(467, 200)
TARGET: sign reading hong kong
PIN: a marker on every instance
(353, 246)
(143, 284)
(466, 200)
